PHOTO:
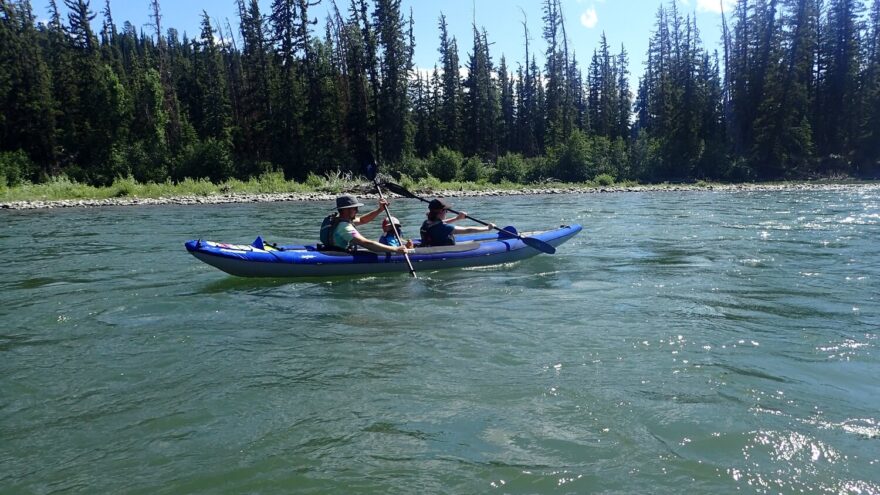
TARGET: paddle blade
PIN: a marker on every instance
(371, 168)
(539, 245)
(400, 190)
(508, 232)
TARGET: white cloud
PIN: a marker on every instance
(589, 18)
(714, 6)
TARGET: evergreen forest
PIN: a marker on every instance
(793, 93)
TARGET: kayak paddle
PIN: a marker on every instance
(528, 241)
(371, 170)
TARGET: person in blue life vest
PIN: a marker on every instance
(437, 231)
(388, 238)
(338, 230)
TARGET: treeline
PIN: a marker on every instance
(795, 92)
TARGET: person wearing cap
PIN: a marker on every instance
(338, 230)
(388, 237)
(437, 231)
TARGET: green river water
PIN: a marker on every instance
(684, 342)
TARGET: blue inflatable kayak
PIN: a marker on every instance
(263, 260)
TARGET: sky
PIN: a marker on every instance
(625, 22)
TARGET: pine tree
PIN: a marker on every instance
(555, 86)
(481, 101)
(252, 144)
(527, 112)
(783, 135)
(450, 91)
(27, 120)
(624, 99)
(507, 133)
(394, 132)
(840, 94)
(211, 115)
(868, 153)
(98, 87)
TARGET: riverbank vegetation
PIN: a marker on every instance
(63, 189)
(795, 93)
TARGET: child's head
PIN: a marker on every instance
(386, 225)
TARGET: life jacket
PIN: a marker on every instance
(434, 235)
(389, 239)
(328, 226)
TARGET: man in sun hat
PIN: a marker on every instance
(338, 229)
(437, 231)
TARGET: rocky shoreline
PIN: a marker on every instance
(317, 196)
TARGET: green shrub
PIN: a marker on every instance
(739, 171)
(196, 187)
(409, 165)
(645, 157)
(445, 164)
(269, 182)
(209, 159)
(407, 182)
(574, 159)
(14, 167)
(510, 167)
(538, 169)
(338, 181)
(314, 181)
(429, 183)
(123, 187)
(604, 180)
(473, 170)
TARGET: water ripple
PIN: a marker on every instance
(703, 342)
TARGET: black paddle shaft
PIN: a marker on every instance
(412, 271)
(371, 170)
(529, 241)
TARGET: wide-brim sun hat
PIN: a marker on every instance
(439, 204)
(347, 201)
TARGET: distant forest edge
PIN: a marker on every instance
(795, 93)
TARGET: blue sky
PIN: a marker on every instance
(627, 22)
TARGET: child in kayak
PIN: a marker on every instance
(388, 238)
(437, 231)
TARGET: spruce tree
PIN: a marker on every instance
(450, 91)
(28, 121)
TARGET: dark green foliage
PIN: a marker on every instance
(679, 115)
(395, 133)
(15, 166)
(410, 166)
(868, 152)
(208, 159)
(445, 164)
(574, 159)
(510, 167)
(799, 96)
(481, 103)
(450, 120)
(473, 170)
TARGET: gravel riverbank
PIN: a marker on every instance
(274, 197)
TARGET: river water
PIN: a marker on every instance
(703, 342)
